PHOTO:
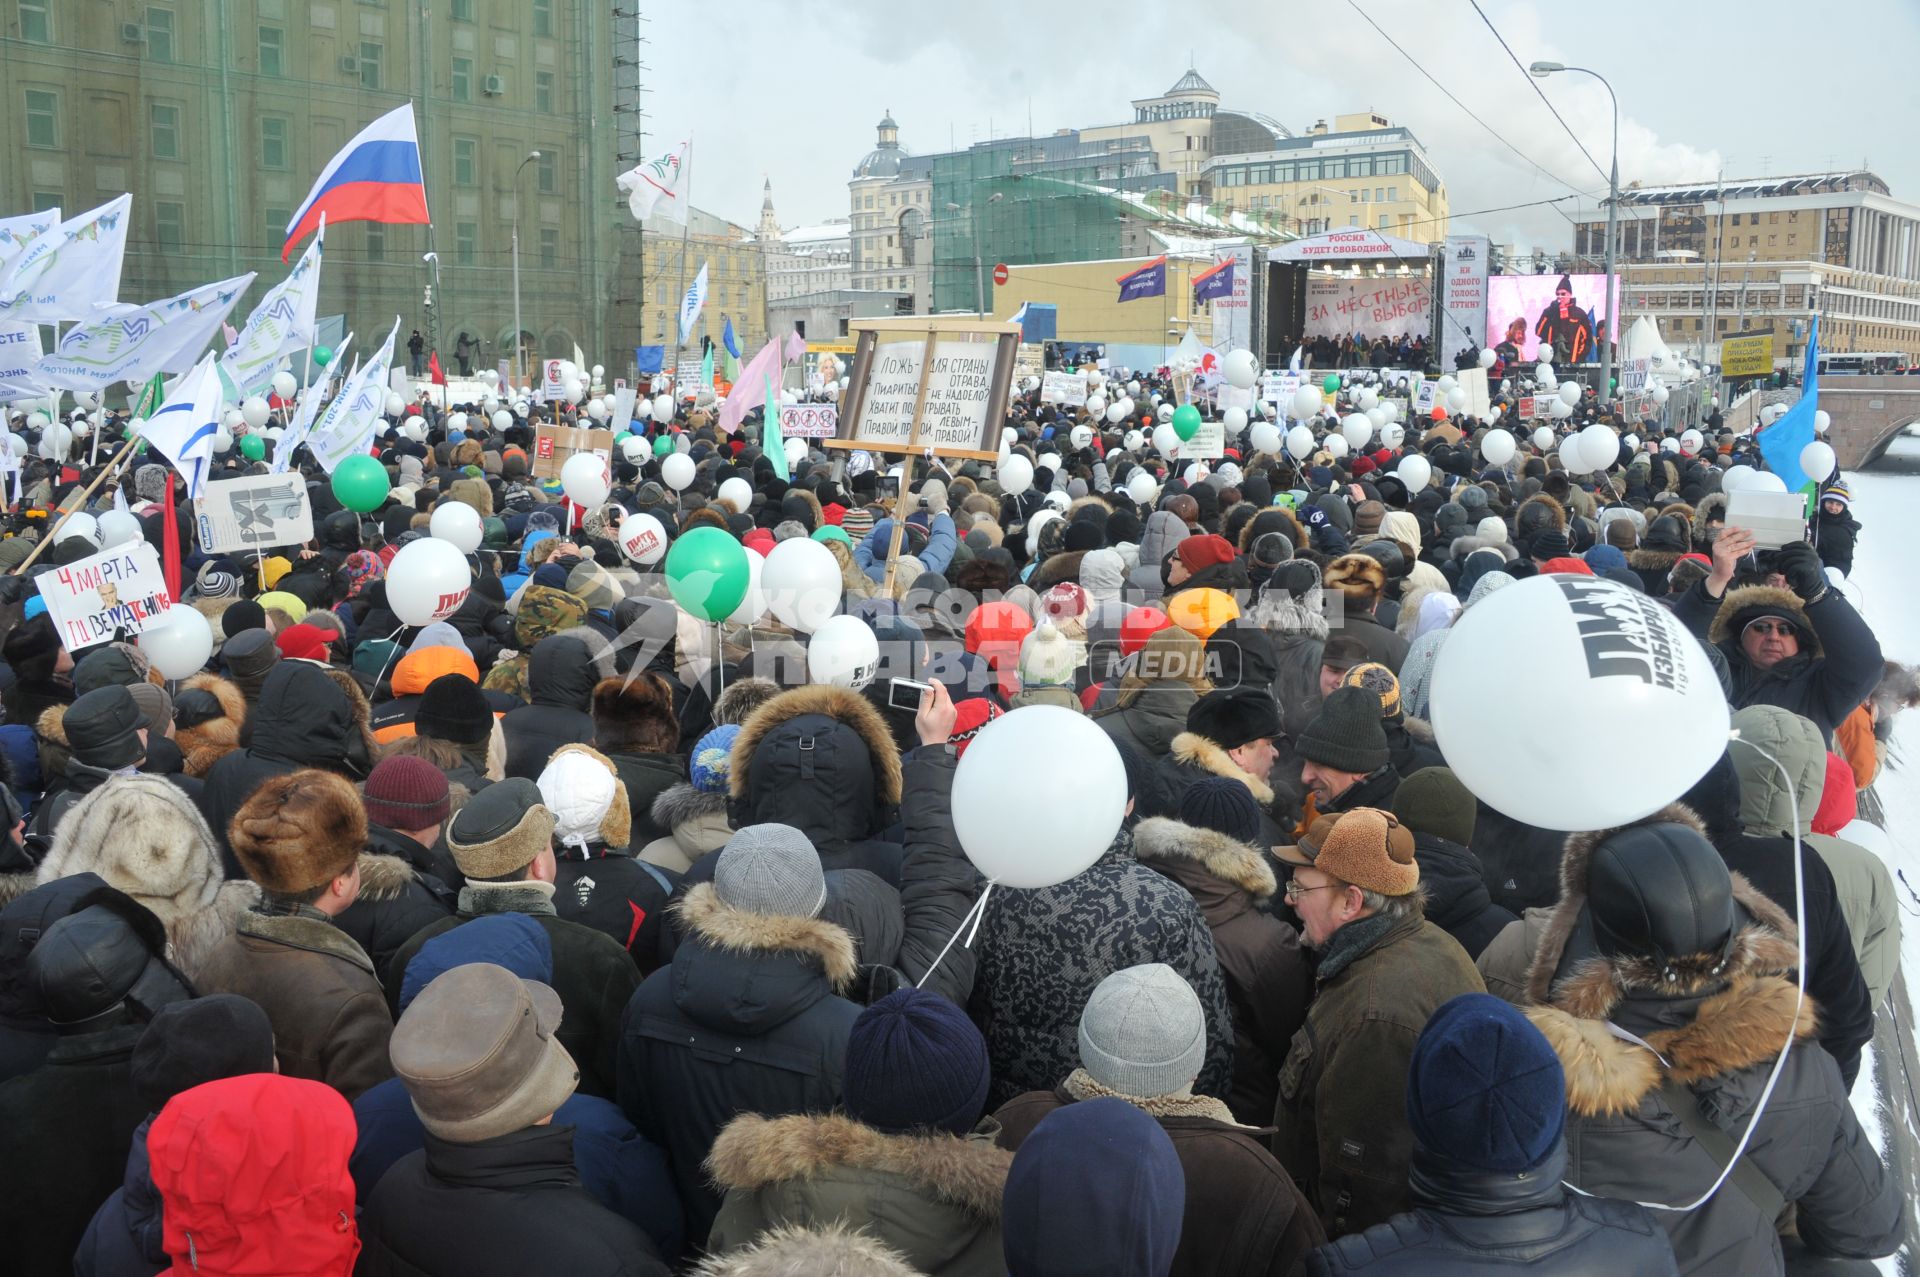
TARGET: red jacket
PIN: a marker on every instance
(252, 1175)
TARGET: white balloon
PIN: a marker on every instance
(1773, 412)
(1670, 446)
(1080, 436)
(1133, 387)
(663, 408)
(1558, 410)
(1487, 357)
(1266, 437)
(1116, 412)
(117, 527)
(1233, 421)
(599, 371)
(1096, 405)
(1543, 372)
(1766, 481)
(635, 450)
(1570, 394)
(275, 433)
(1307, 401)
(736, 494)
(284, 384)
(1126, 406)
(1497, 445)
(1572, 456)
(1391, 434)
(1133, 440)
(490, 376)
(801, 581)
(1661, 394)
(796, 450)
(254, 411)
(1009, 818)
(569, 371)
(1015, 475)
(1356, 429)
(222, 441)
(1336, 446)
(1543, 438)
(1457, 400)
(1632, 443)
(1606, 657)
(1141, 487)
(1447, 382)
(1368, 399)
(86, 399)
(231, 418)
(1599, 446)
(457, 421)
(677, 470)
(1690, 441)
(1735, 478)
(80, 524)
(1300, 442)
(428, 580)
(584, 479)
(1415, 471)
(753, 604)
(180, 644)
(1166, 440)
(1821, 420)
(843, 652)
(1163, 413)
(1241, 369)
(395, 405)
(502, 420)
(597, 408)
(643, 539)
(458, 524)
(416, 422)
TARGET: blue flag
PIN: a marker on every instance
(1148, 281)
(1215, 282)
(649, 358)
(727, 338)
(1782, 442)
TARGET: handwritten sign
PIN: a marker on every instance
(254, 513)
(92, 599)
(809, 420)
(1068, 388)
(958, 391)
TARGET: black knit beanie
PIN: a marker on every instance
(1346, 734)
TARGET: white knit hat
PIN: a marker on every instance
(587, 798)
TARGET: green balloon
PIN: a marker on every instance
(621, 438)
(1331, 383)
(663, 445)
(1186, 421)
(707, 573)
(361, 484)
(322, 355)
(253, 447)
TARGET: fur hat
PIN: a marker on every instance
(501, 830)
(583, 790)
(1360, 578)
(635, 717)
(1744, 606)
(299, 831)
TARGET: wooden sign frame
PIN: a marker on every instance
(868, 334)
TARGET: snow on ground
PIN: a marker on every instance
(1886, 589)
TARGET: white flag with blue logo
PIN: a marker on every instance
(690, 304)
(283, 322)
(71, 270)
(312, 400)
(133, 343)
(183, 429)
(350, 421)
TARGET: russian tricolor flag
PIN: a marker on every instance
(375, 178)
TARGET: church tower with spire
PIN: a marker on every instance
(768, 231)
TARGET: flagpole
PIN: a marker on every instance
(686, 229)
(53, 533)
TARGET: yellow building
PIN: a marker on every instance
(1365, 171)
(1087, 295)
(736, 282)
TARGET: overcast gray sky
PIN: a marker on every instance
(1761, 87)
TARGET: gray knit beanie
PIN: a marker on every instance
(772, 870)
(1143, 1032)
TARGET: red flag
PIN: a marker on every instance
(170, 543)
(433, 369)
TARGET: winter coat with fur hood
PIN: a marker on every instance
(1163, 532)
(1717, 1035)
(561, 672)
(1832, 674)
(746, 1018)
(933, 1197)
(399, 894)
(696, 823)
(1266, 973)
(1244, 1216)
(206, 743)
(142, 835)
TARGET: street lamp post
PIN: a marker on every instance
(1540, 71)
(519, 364)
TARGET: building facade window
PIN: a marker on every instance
(370, 55)
(465, 236)
(543, 92)
(43, 118)
(163, 130)
(36, 21)
(547, 173)
(273, 142)
(465, 162)
(376, 242)
(159, 33)
(273, 51)
(44, 200)
(170, 225)
(549, 247)
(543, 17)
(462, 82)
(277, 219)
(461, 10)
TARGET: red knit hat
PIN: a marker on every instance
(996, 630)
(1362, 465)
(833, 512)
(1577, 567)
(969, 716)
(1204, 552)
(1839, 802)
(1139, 625)
(406, 792)
(303, 642)
(1064, 601)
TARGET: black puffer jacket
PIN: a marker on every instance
(822, 760)
(561, 672)
(745, 1019)
(1465, 1223)
(511, 1204)
(1457, 899)
(399, 894)
(308, 716)
(1833, 673)
(646, 777)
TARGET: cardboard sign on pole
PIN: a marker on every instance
(934, 386)
(91, 599)
(254, 513)
(552, 445)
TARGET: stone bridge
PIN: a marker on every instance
(1867, 413)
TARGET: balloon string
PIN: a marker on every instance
(974, 915)
(390, 655)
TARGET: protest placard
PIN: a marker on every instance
(90, 600)
(254, 513)
(809, 420)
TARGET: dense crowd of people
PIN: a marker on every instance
(571, 933)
